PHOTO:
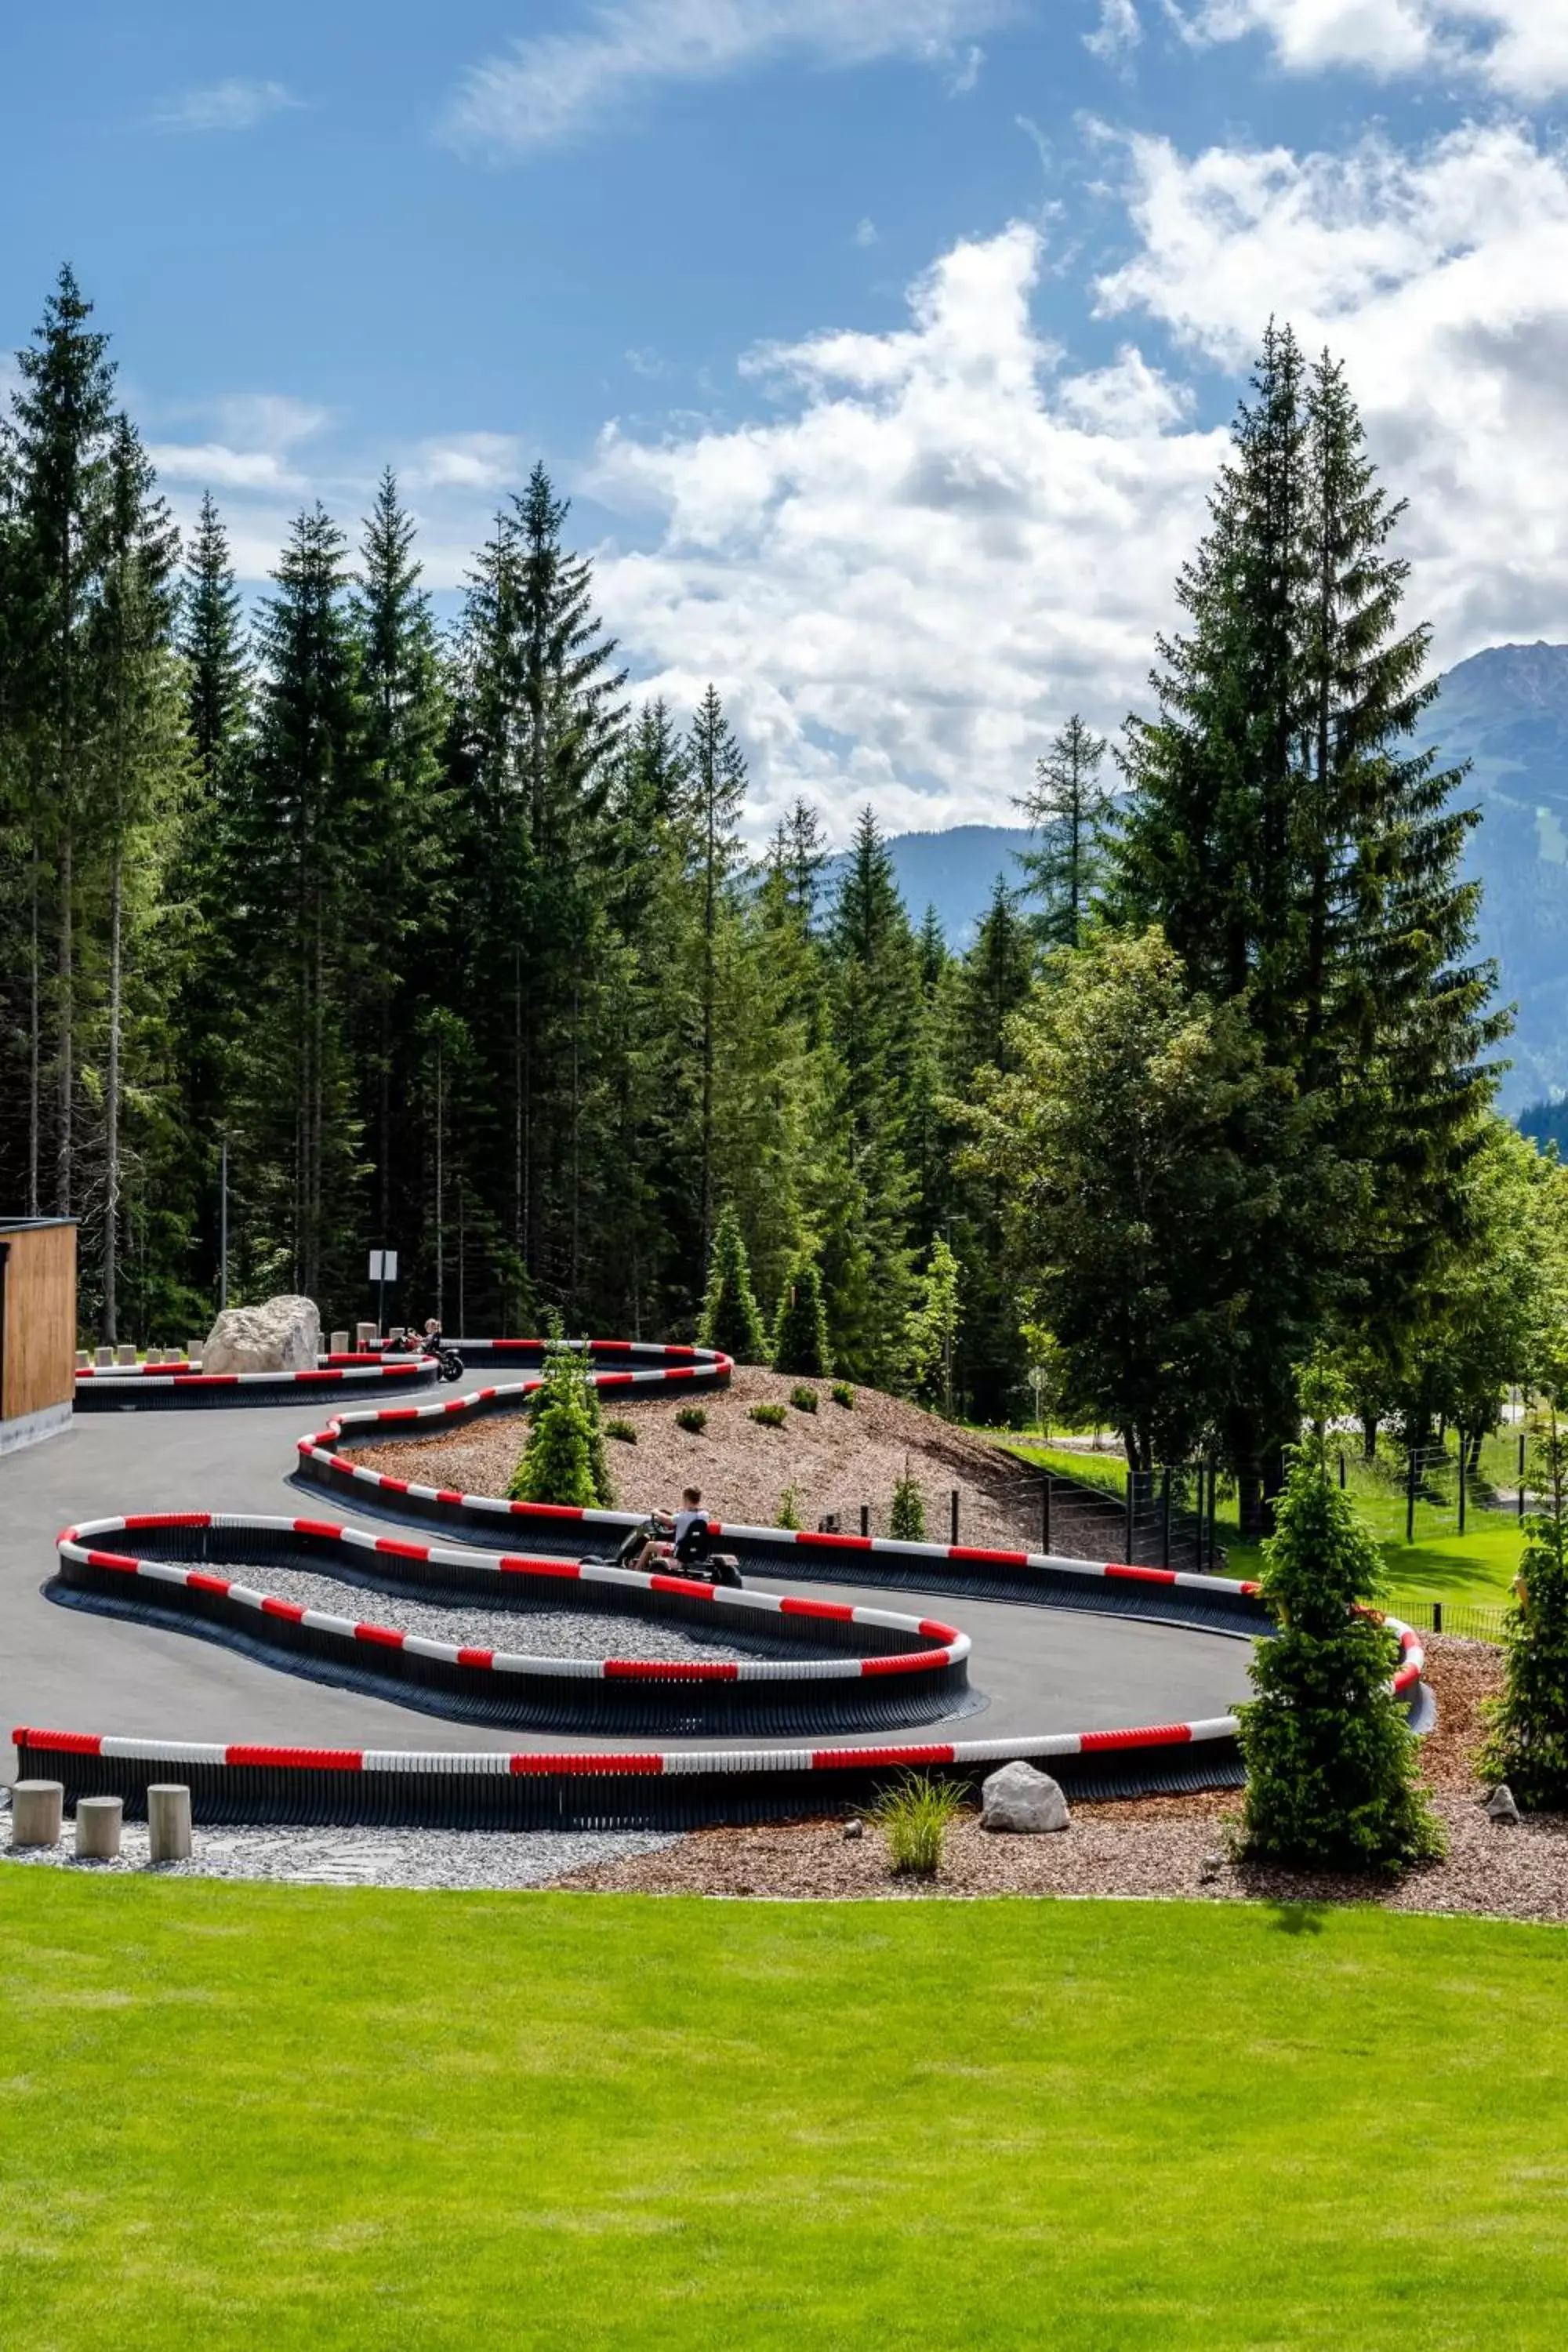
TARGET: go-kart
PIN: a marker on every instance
(699, 1564)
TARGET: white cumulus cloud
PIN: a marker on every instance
(1520, 46)
(547, 86)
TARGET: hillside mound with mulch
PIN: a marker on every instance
(832, 1461)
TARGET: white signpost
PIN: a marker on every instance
(382, 1270)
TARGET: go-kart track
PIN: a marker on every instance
(172, 1612)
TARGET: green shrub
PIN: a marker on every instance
(564, 1460)
(800, 1336)
(804, 1400)
(789, 1508)
(730, 1318)
(914, 1816)
(842, 1393)
(622, 1431)
(907, 1520)
(691, 1417)
(1330, 1765)
(771, 1416)
(1527, 1744)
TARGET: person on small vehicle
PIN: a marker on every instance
(684, 1544)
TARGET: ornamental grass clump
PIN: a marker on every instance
(1528, 1743)
(692, 1419)
(622, 1431)
(767, 1416)
(804, 1400)
(1332, 1779)
(914, 1816)
(842, 1393)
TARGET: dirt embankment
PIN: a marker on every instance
(832, 1461)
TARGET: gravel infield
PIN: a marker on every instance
(531, 1632)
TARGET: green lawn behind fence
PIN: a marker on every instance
(299, 2117)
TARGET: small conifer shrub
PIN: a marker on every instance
(800, 1336)
(789, 1508)
(907, 1519)
(842, 1393)
(691, 1418)
(1527, 1744)
(564, 1460)
(1330, 1764)
(803, 1399)
(730, 1318)
(768, 1416)
(622, 1431)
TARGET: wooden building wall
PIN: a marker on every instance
(39, 1365)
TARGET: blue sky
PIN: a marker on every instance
(883, 348)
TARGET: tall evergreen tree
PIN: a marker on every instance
(62, 423)
(1067, 809)
(716, 795)
(1302, 859)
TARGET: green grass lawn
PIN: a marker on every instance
(1477, 1567)
(293, 2117)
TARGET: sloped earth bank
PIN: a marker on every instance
(1153, 1846)
(835, 1460)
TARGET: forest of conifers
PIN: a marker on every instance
(454, 946)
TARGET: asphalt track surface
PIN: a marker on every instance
(1039, 1669)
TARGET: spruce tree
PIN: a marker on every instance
(800, 1339)
(212, 641)
(557, 1463)
(1303, 861)
(716, 793)
(730, 1319)
(1068, 810)
(62, 423)
(1332, 1773)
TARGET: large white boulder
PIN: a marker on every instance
(282, 1335)
(1020, 1799)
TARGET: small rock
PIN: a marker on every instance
(1210, 1867)
(1500, 1806)
(854, 1829)
(1018, 1798)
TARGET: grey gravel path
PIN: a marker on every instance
(533, 1633)
(349, 1857)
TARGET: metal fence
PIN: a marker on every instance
(1421, 1492)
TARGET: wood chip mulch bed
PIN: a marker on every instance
(1151, 1847)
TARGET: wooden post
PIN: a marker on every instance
(169, 1821)
(1131, 1507)
(98, 1827)
(1165, 1519)
(1410, 1498)
(953, 1538)
(36, 1813)
(865, 1519)
(1461, 1478)
(1522, 1441)
(1046, 1512)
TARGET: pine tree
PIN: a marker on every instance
(141, 755)
(1302, 860)
(1332, 1775)
(1067, 809)
(62, 424)
(557, 1464)
(305, 913)
(716, 791)
(800, 1339)
(730, 1320)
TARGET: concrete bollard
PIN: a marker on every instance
(83, 1359)
(102, 1357)
(338, 1345)
(126, 1352)
(368, 1334)
(194, 1351)
(169, 1821)
(98, 1825)
(36, 1813)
